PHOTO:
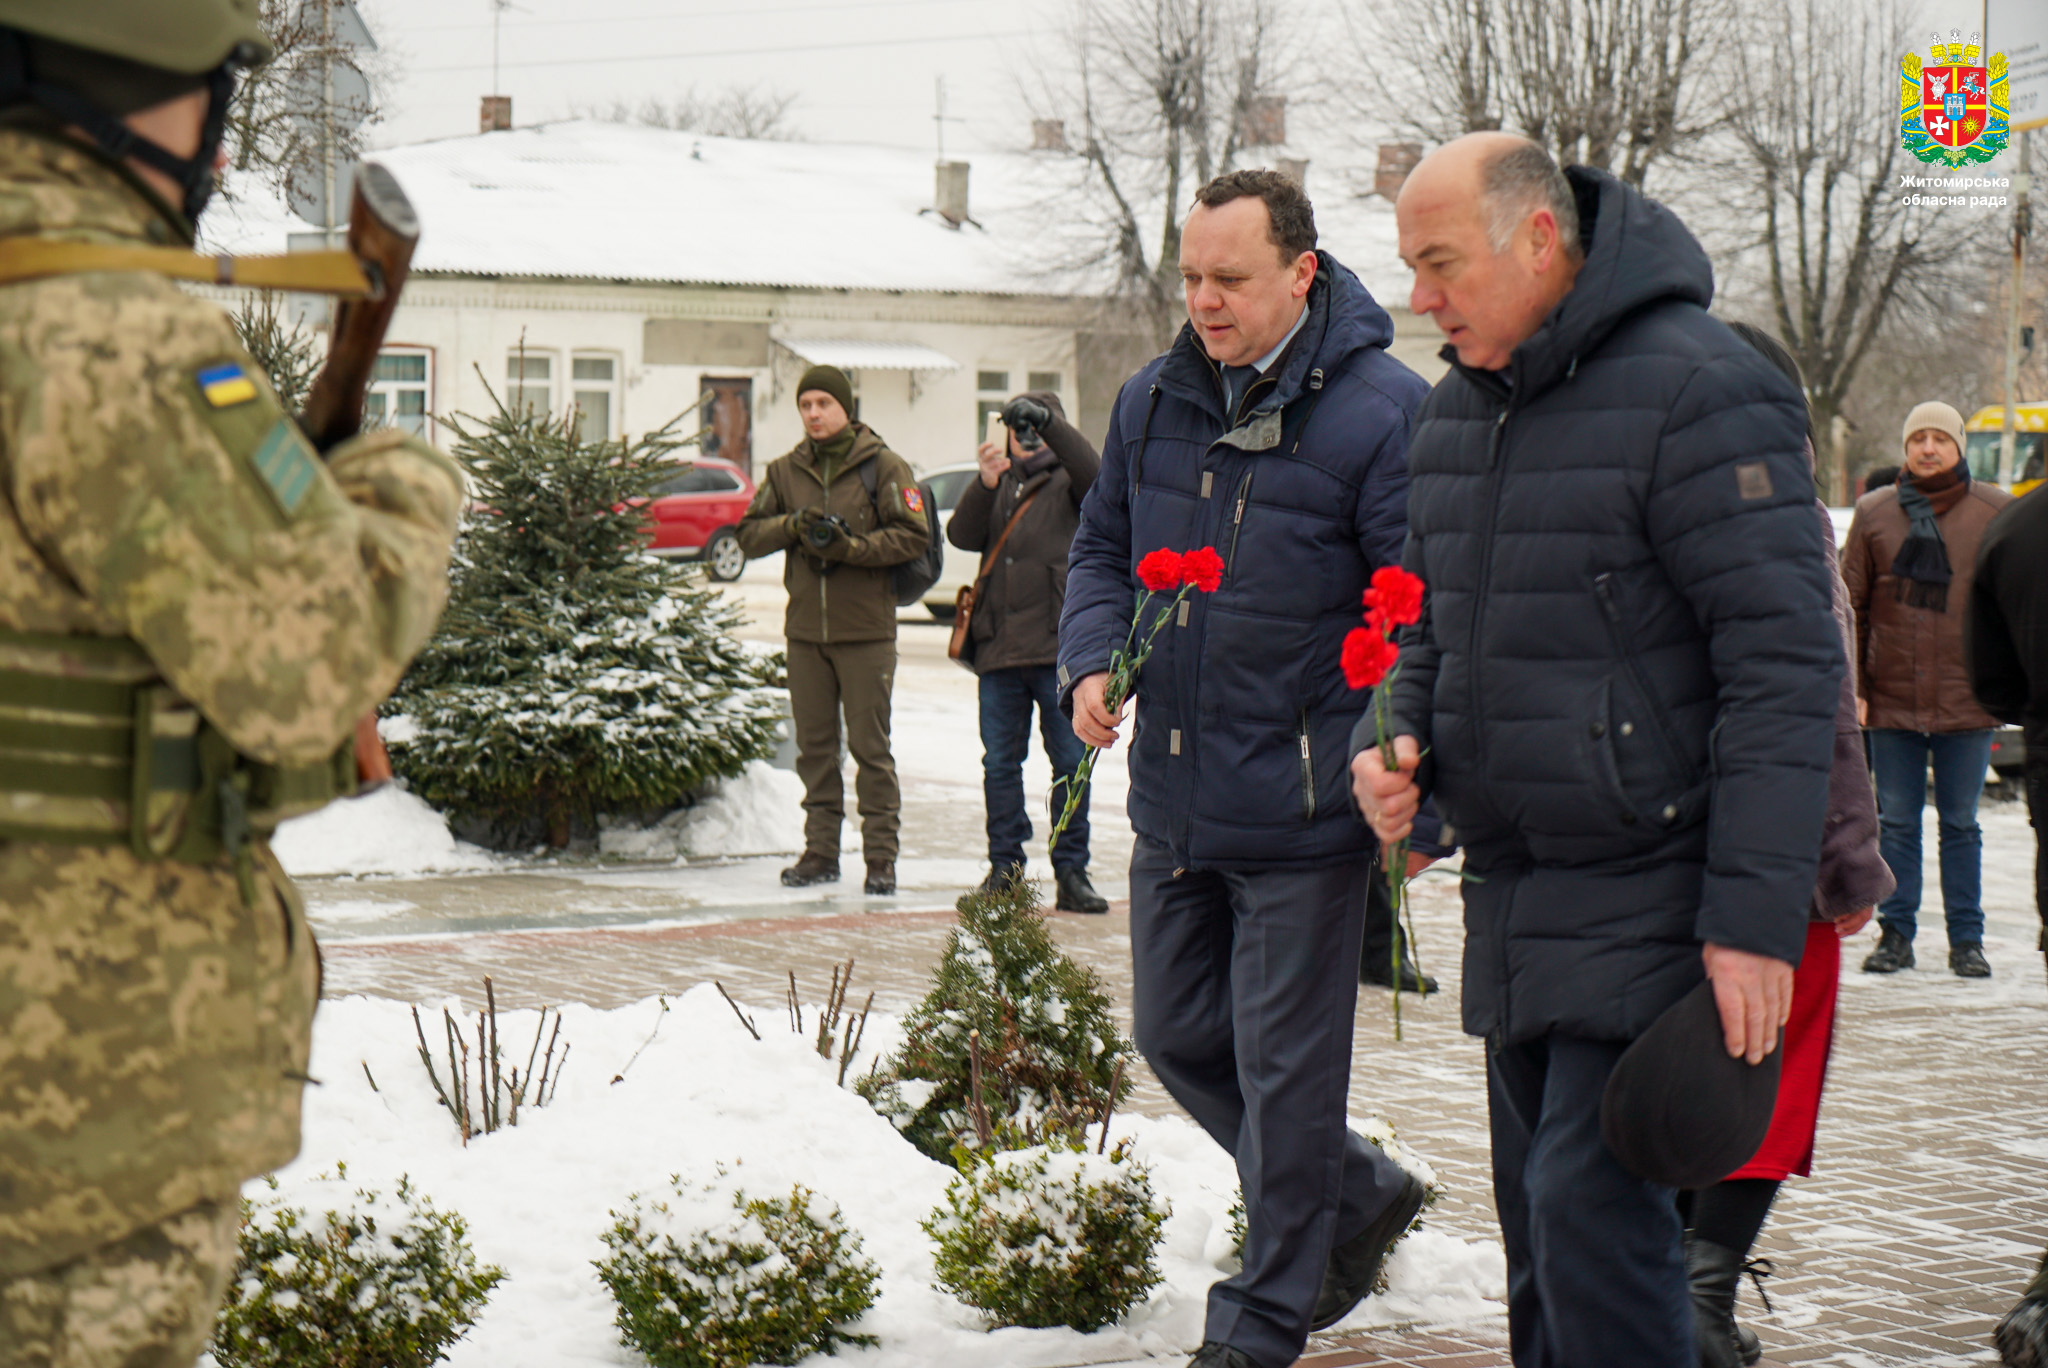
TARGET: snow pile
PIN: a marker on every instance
(758, 813)
(386, 832)
(538, 1198)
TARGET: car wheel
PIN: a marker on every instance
(944, 612)
(725, 557)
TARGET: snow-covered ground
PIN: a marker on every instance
(704, 1093)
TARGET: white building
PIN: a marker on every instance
(633, 272)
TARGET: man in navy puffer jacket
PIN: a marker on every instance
(1625, 682)
(1273, 430)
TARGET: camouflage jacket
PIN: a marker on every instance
(155, 1022)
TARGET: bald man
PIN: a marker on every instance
(1625, 681)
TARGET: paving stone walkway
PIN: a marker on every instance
(1924, 1215)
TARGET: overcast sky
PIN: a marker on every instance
(862, 70)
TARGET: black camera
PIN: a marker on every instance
(827, 530)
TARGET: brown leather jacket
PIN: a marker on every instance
(1909, 661)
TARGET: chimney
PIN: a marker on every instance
(951, 195)
(1048, 135)
(1396, 161)
(497, 114)
(1294, 168)
(1264, 123)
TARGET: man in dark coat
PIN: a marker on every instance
(1272, 431)
(1028, 498)
(2005, 641)
(1625, 680)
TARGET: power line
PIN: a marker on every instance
(732, 52)
(589, 21)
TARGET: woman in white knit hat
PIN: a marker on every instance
(1908, 562)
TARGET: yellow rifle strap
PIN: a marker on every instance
(331, 273)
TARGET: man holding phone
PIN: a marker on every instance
(1020, 516)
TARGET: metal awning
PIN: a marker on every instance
(857, 355)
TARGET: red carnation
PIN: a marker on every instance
(1202, 568)
(1376, 620)
(1160, 571)
(1397, 594)
(1367, 657)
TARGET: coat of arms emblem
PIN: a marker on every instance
(1954, 110)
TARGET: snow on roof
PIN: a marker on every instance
(620, 202)
(855, 355)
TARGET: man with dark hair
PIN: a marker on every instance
(1272, 431)
(1625, 680)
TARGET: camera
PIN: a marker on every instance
(827, 530)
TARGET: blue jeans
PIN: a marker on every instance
(1007, 700)
(1899, 760)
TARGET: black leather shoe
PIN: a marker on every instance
(1967, 961)
(2022, 1337)
(1375, 971)
(881, 881)
(1894, 952)
(1000, 877)
(811, 869)
(1354, 1266)
(1216, 1354)
(1713, 1270)
(1076, 894)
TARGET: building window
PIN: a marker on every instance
(530, 383)
(992, 391)
(1044, 380)
(594, 385)
(400, 384)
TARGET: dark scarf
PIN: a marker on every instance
(1921, 570)
(1037, 463)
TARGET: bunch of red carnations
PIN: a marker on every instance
(1175, 573)
(1372, 659)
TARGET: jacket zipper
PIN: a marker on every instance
(1308, 773)
(1493, 477)
(1603, 590)
(1244, 492)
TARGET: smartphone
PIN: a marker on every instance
(998, 435)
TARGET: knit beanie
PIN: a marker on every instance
(1932, 414)
(832, 381)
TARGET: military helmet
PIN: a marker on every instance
(186, 36)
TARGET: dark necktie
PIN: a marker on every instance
(1237, 380)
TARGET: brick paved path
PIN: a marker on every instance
(1923, 1217)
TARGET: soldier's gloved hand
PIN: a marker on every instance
(801, 520)
(829, 538)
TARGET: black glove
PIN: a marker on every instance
(801, 520)
(828, 537)
(1028, 418)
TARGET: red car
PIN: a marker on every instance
(693, 514)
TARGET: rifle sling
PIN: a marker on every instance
(329, 273)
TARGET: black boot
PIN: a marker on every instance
(2022, 1337)
(881, 880)
(811, 869)
(1376, 970)
(1967, 961)
(1076, 894)
(1713, 1270)
(1354, 1267)
(1216, 1354)
(1894, 952)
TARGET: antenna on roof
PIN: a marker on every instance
(939, 116)
(498, 8)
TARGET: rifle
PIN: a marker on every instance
(382, 232)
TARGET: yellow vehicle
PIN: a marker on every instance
(2030, 437)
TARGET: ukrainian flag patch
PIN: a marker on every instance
(226, 385)
(287, 465)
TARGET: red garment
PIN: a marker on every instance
(1809, 1036)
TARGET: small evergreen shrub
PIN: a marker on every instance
(1379, 1132)
(377, 1283)
(1051, 1235)
(574, 674)
(1049, 1048)
(773, 1283)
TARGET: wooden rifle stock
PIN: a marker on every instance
(382, 232)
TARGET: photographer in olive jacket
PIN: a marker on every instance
(1029, 499)
(843, 530)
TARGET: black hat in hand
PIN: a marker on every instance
(1679, 1109)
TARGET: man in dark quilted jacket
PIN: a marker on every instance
(1624, 682)
(1273, 430)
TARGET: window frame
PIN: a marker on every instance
(515, 389)
(612, 389)
(390, 388)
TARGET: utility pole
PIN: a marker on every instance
(2022, 224)
(327, 113)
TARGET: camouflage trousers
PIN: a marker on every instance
(144, 1302)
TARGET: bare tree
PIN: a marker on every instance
(1166, 94)
(737, 112)
(1839, 248)
(1618, 84)
(277, 124)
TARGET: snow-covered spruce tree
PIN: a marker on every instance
(1052, 1235)
(1048, 1050)
(574, 673)
(375, 1283)
(772, 1282)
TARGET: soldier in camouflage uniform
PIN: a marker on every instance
(194, 611)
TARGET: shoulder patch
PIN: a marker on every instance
(913, 498)
(1753, 480)
(225, 385)
(285, 461)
